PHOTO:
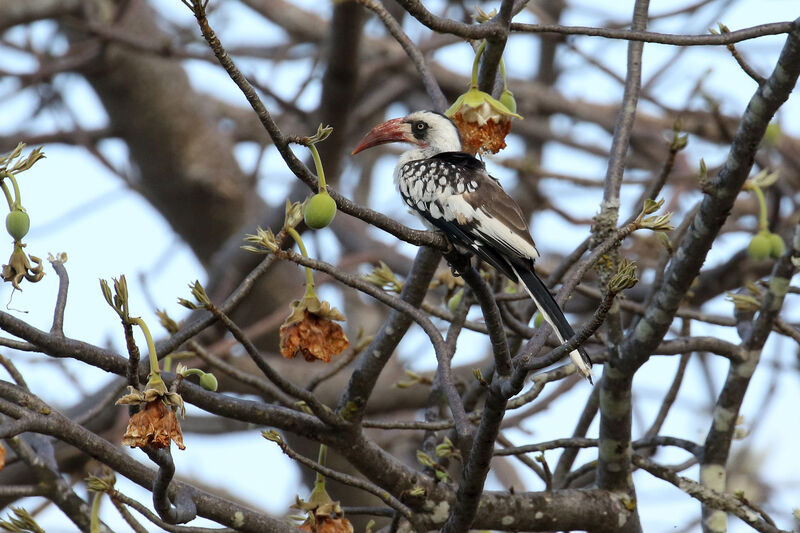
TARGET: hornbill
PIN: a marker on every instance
(452, 191)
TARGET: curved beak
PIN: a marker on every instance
(395, 130)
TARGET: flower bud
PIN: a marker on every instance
(455, 301)
(209, 382)
(507, 99)
(320, 210)
(18, 223)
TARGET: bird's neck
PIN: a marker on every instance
(423, 152)
(416, 154)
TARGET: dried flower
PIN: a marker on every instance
(320, 522)
(2, 457)
(324, 515)
(19, 266)
(482, 120)
(156, 423)
(310, 330)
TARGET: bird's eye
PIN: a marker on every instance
(419, 129)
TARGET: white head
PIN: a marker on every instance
(429, 131)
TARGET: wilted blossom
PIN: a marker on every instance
(324, 514)
(310, 330)
(19, 266)
(327, 518)
(482, 120)
(156, 423)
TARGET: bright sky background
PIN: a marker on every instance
(78, 207)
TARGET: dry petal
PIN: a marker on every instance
(313, 337)
(487, 137)
(134, 397)
(20, 267)
(154, 426)
(2, 457)
(326, 524)
(334, 525)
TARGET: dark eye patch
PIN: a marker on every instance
(419, 128)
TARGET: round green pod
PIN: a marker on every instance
(18, 223)
(776, 245)
(760, 246)
(320, 210)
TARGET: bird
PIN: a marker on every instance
(452, 192)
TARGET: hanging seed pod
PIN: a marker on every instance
(320, 210)
(776, 245)
(760, 246)
(18, 223)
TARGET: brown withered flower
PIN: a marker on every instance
(324, 515)
(327, 518)
(482, 121)
(2, 457)
(19, 266)
(310, 330)
(156, 423)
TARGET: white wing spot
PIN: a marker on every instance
(434, 210)
(409, 202)
(421, 205)
(442, 181)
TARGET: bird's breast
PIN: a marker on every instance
(426, 180)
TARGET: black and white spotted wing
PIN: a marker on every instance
(453, 191)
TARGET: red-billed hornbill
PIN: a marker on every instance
(452, 191)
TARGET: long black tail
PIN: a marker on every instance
(554, 316)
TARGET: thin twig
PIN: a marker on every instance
(321, 410)
(711, 498)
(414, 53)
(61, 299)
(347, 479)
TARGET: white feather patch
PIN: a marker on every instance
(492, 228)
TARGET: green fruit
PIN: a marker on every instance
(760, 246)
(776, 245)
(320, 210)
(208, 381)
(18, 223)
(537, 319)
(507, 99)
(455, 301)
